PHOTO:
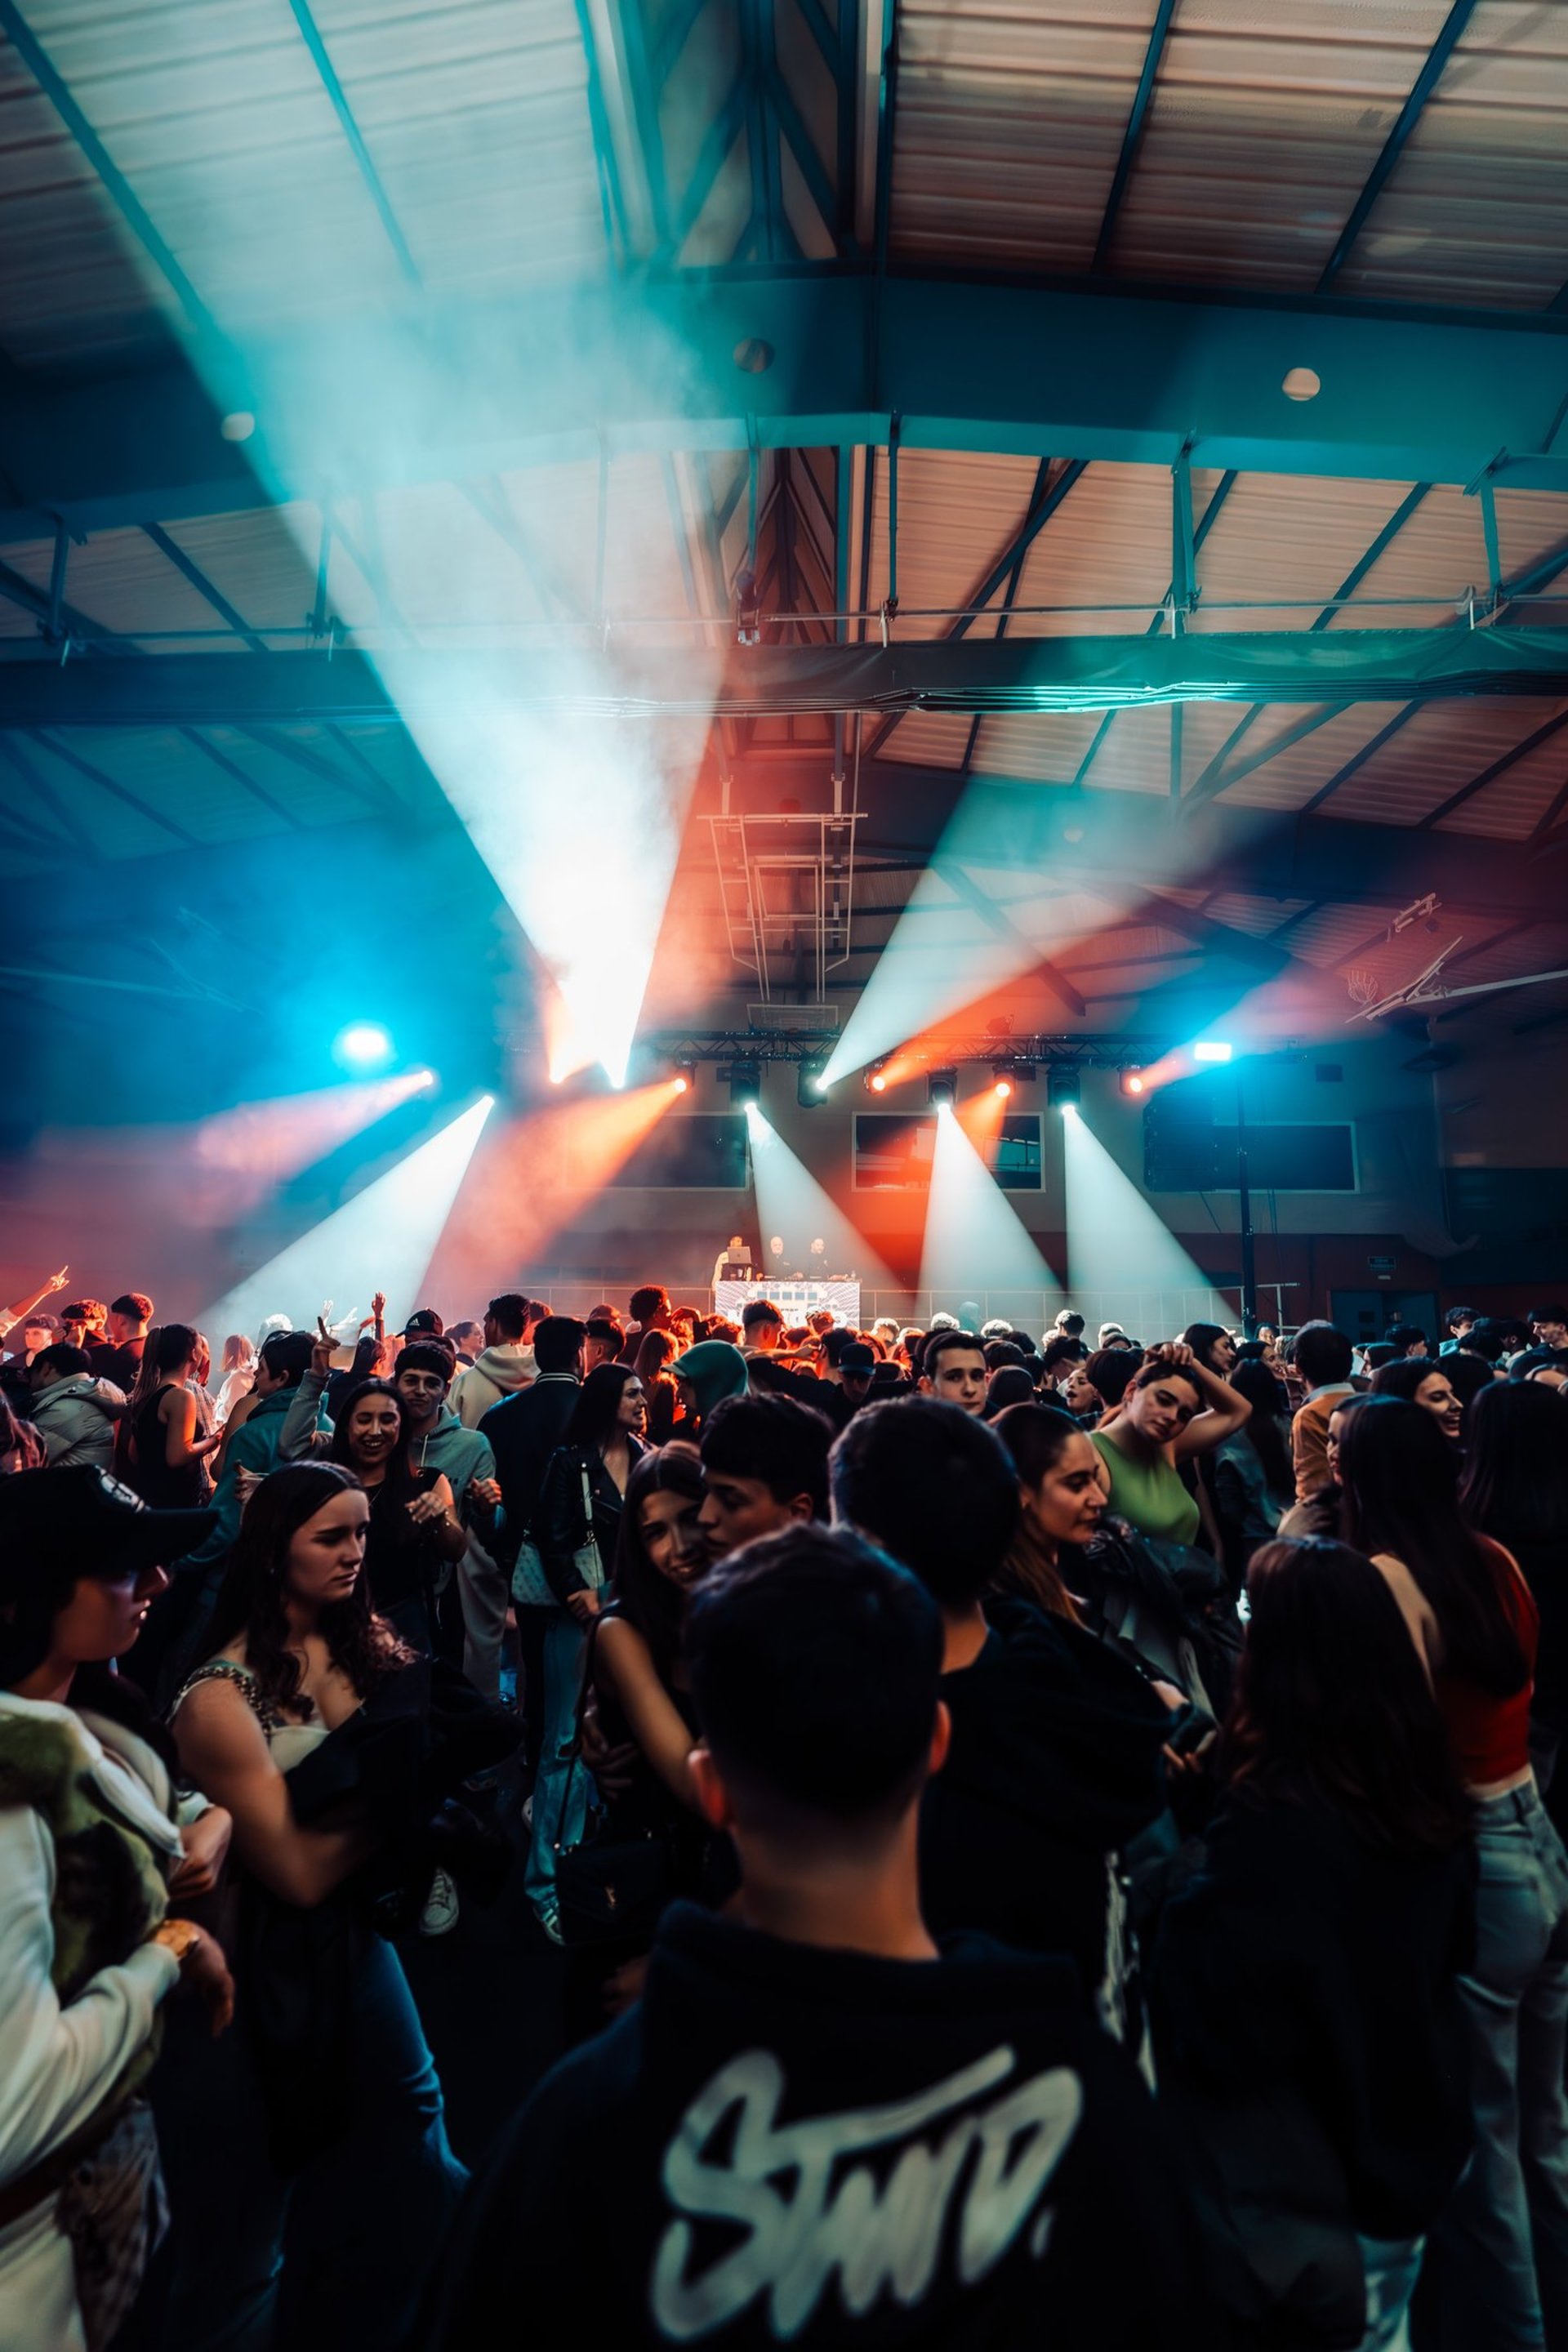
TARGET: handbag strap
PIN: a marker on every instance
(588, 1534)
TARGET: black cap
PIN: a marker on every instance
(857, 1358)
(90, 1524)
(424, 1324)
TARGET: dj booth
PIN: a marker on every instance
(795, 1300)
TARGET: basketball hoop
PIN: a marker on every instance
(1365, 987)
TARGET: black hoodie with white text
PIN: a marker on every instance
(788, 2145)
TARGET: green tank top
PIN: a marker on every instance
(1149, 1494)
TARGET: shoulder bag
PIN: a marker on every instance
(611, 1888)
(531, 1588)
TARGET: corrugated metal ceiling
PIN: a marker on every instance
(476, 119)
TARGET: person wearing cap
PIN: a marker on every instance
(704, 1377)
(1111, 1335)
(93, 1852)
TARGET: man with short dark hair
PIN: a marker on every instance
(954, 1371)
(765, 1467)
(761, 1328)
(821, 2125)
(1056, 1760)
(1456, 1323)
(73, 1412)
(603, 1343)
(1323, 1357)
(503, 1366)
(1549, 1326)
(129, 1317)
(1408, 1340)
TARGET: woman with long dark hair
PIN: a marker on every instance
(168, 1445)
(1501, 2251)
(1254, 1482)
(1418, 1380)
(1063, 1503)
(1515, 1490)
(656, 1350)
(643, 1702)
(1306, 1984)
(335, 2146)
(415, 1536)
(577, 1527)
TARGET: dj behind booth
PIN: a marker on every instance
(795, 1295)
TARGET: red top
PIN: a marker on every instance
(1490, 1736)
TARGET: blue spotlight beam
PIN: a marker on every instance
(385, 1238)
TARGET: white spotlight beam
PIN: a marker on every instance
(974, 1240)
(383, 1239)
(792, 1203)
(1121, 1252)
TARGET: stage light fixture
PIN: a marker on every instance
(684, 1077)
(877, 1079)
(746, 1085)
(1011, 1075)
(1003, 1087)
(1133, 1082)
(1212, 1049)
(1064, 1085)
(362, 1045)
(810, 1088)
(942, 1089)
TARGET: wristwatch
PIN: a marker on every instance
(179, 1936)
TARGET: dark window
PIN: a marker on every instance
(1190, 1156)
(704, 1152)
(893, 1152)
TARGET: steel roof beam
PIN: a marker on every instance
(1132, 137)
(462, 391)
(1216, 775)
(1410, 115)
(1211, 515)
(309, 33)
(1017, 675)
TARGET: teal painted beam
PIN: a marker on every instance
(999, 675)
(1132, 137)
(1410, 113)
(454, 391)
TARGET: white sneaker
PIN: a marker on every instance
(548, 1915)
(440, 1915)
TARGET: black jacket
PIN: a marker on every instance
(1054, 1764)
(1307, 1965)
(524, 1432)
(560, 1523)
(785, 2144)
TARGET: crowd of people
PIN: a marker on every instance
(1033, 1839)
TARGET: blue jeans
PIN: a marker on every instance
(1501, 2244)
(1393, 2266)
(561, 1790)
(337, 2255)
